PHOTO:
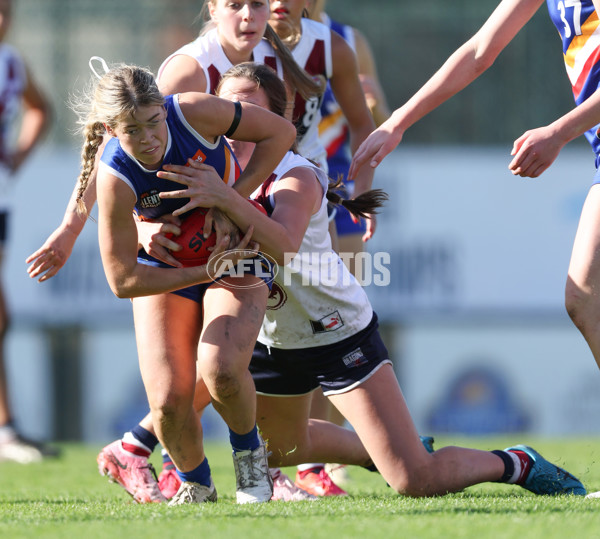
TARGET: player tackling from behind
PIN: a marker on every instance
(351, 364)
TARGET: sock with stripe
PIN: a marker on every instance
(166, 460)
(517, 465)
(139, 441)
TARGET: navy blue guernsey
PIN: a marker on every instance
(183, 142)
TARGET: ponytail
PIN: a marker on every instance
(298, 79)
(363, 205)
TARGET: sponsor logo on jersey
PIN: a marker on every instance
(199, 157)
(150, 199)
(277, 297)
(331, 322)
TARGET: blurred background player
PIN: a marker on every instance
(333, 128)
(19, 94)
(325, 56)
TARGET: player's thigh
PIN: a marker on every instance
(167, 328)
(584, 268)
(379, 414)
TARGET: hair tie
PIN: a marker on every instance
(102, 63)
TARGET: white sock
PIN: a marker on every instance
(309, 465)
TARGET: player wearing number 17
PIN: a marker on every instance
(534, 151)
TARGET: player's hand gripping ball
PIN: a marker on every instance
(196, 249)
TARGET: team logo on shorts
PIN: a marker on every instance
(356, 358)
(331, 322)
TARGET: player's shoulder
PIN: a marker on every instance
(315, 29)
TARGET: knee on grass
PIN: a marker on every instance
(417, 482)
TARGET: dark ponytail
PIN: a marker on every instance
(363, 205)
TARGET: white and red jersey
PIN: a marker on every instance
(13, 81)
(314, 299)
(313, 53)
(208, 52)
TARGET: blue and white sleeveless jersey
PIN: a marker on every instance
(333, 128)
(209, 54)
(314, 299)
(183, 143)
(577, 24)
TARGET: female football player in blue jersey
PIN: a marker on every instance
(233, 32)
(534, 151)
(320, 332)
(209, 327)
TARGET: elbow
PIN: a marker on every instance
(285, 254)
(121, 288)
(120, 291)
(478, 53)
(484, 55)
(292, 134)
(483, 63)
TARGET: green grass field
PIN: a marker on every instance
(66, 498)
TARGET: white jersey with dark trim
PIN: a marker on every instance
(314, 300)
(313, 53)
(211, 57)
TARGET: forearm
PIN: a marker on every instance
(579, 120)
(33, 127)
(143, 280)
(364, 179)
(271, 235)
